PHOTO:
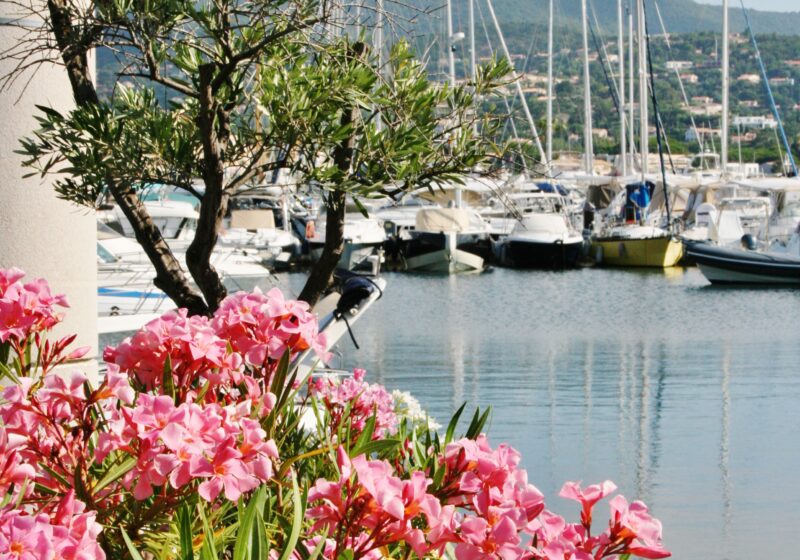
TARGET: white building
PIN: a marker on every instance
(754, 122)
(679, 64)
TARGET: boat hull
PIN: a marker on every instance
(445, 253)
(530, 254)
(653, 252)
(738, 266)
(354, 256)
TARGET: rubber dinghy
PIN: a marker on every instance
(732, 265)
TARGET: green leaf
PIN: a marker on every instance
(476, 426)
(131, 548)
(378, 446)
(297, 521)
(209, 548)
(250, 535)
(169, 385)
(366, 435)
(115, 473)
(185, 531)
(451, 427)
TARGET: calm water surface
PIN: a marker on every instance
(687, 396)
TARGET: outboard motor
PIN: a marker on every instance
(749, 242)
(356, 289)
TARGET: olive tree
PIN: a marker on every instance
(254, 86)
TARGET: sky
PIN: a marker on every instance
(766, 5)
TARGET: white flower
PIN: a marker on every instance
(407, 406)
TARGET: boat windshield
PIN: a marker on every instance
(104, 255)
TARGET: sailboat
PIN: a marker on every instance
(629, 240)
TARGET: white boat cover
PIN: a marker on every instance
(442, 219)
(253, 219)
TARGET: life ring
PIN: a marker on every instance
(311, 231)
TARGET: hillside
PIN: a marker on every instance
(680, 16)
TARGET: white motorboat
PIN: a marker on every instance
(125, 274)
(362, 239)
(254, 230)
(447, 240)
(543, 237)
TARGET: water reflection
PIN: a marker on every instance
(635, 377)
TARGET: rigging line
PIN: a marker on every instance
(602, 52)
(680, 80)
(510, 120)
(610, 82)
(658, 118)
(769, 93)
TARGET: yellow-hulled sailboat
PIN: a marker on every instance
(635, 245)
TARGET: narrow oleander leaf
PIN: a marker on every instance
(185, 532)
(115, 473)
(131, 547)
(297, 521)
(251, 528)
(451, 427)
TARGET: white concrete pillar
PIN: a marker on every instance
(41, 234)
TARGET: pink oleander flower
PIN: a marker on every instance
(587, 497)
(69, 533)
(262, 327)
(376, 507)
(188, 346)
(220, 448)
(353, 401)
(636, 529)
(26, 309)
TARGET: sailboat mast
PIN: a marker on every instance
(623, 153)
(378, 38)
(772, 105)
(549, 132)
(537, 140)
(631, 84)
(725, 87)
(644, 136)
(451, 56)
(472, 55)
(588, 149)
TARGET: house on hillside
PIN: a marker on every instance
(754, 122)
(690, 78)
(679, 64)
(781, 81)
(750, 78)
(704, 132)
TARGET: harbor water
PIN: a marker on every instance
(686, 395)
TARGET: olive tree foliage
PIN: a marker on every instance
(255, 86)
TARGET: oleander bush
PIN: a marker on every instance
(204, 440)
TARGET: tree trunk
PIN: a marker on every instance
(215, 200)
(170, 277)
(322, 273)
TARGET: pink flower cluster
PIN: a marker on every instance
(368, 508)
(223, 447)
(68, 533)
(26, 309)
(187, 346)
(261, 327)
(353, 401)
(47, 424)
(241, 344)
(631, 529)
(484, 505)
(493, 492)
